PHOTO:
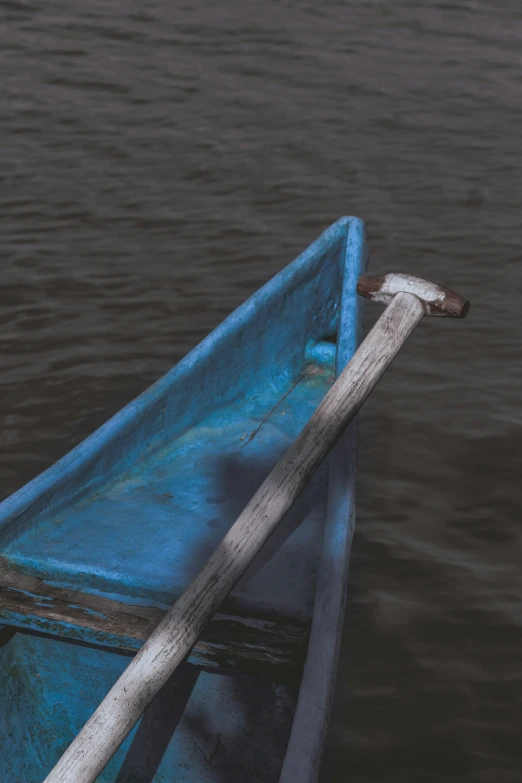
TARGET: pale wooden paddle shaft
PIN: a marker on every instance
(179, 630)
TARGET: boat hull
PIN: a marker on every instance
(94, 551)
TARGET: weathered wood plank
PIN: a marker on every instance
(275, 648)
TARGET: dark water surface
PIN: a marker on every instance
(160, 162)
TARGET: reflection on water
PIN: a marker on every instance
(160, 163)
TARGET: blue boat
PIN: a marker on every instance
(96, 549)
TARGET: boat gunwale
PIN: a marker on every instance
(316, 693)
(84, 455)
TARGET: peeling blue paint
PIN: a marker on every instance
(31, 595)
(86, 610)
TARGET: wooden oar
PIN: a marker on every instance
(409, 299)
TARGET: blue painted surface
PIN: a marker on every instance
(202, 727)
(135, 510)
(321, 353)
(149, 534)
(259, 347)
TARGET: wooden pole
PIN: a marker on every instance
(176, 634)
